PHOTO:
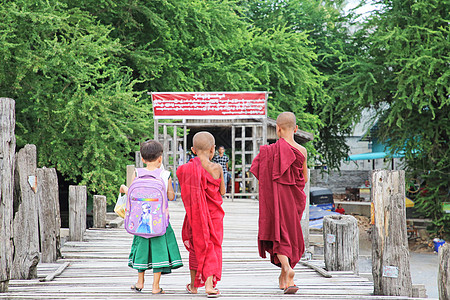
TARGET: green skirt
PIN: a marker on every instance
(159, 253)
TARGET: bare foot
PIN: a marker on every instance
(158, 291)
(282, 281)
(191, 289)
(290, 278)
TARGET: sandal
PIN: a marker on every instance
(213, 295)
(161, 291)
(188, 289)
(134, 288)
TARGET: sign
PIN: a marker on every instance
(446, 207)
(209, 105)
(390, 271)
(331, 238)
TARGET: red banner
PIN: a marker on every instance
(209, 105)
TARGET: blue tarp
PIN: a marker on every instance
(316, 215)
(374, 155)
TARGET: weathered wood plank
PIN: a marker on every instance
(390, 254)
(25, 223)
(99, 211)
(49, 215)
(7, 156)
(77, 212)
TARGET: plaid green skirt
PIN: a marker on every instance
(159, 253)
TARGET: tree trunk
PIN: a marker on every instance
(25, 223)
(49, 216)
(390, 254)
(7, 155)
(77, 212)
(444, 272)
(341, 243)
(99, 211)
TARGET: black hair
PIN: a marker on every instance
(151, 150)
(221, 146)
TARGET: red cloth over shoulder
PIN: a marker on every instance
(279, 169)
(202, 231)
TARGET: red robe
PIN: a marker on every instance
(279, 169)
(202, 231)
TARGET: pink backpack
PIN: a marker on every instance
(147, 213)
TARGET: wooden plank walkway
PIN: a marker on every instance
(98, 268)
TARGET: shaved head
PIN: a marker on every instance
(286, 121)
(203, 141)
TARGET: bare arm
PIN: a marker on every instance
(124, 188)
(222, 189)
(170, 191)
(305, 168)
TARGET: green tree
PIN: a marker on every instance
(74, 99)
(403, 71)
(326, 28)
(181, 45)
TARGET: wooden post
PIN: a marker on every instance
(77, 212)
(7, 155)
(130, 172)
(390, 254)
(305, 217)
(99, 211)
(138, 161)
(49, 216)
(25, 223)
(444, 272)
(341, 243)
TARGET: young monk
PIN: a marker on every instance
(282, 173)
(202, 186)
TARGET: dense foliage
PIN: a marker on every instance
(74, 96)
(327, 29)
(79, 72)
(403, 71)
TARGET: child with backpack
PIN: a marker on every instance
(147, 217)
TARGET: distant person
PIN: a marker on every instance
(160, 253)
(222, 159)
(340, 210)
(282, 173)
(202, 186)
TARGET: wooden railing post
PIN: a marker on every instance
(130, 171)
(7, 155)
(390, 254)
(77, 212)
(49, 215)
(341, 243)
(25, 223)
(444, 272)
(138, 161)
(99, 211)
(305, 217)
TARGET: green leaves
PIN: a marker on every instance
(74, 99)
(408, 58)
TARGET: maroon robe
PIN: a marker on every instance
(202, 231)
(279, 169)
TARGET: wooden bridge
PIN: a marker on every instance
(97, 268)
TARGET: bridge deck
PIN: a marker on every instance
(98, 268)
